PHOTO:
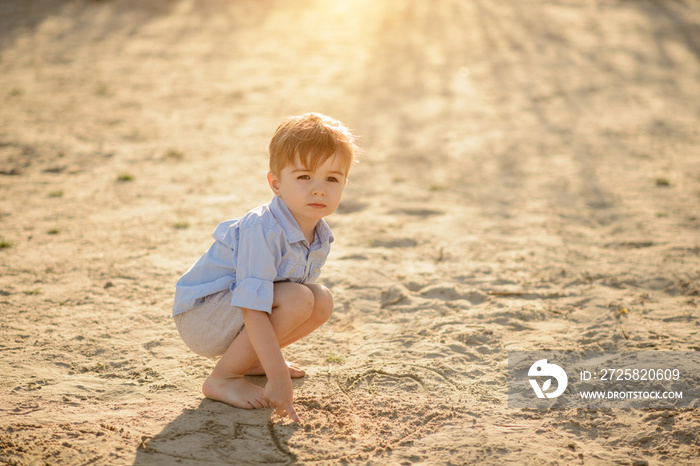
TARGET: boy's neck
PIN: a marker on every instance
(309, 231)
(307, 226)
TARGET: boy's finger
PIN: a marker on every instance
(293, 414)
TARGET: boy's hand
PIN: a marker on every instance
(278, 394)
(278, 391)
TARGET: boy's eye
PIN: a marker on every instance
(303, 177)
(332, 179)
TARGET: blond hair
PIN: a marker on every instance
(313, 138)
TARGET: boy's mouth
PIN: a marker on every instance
(317, 206)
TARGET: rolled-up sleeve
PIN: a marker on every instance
(256, 267)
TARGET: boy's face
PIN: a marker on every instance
(310, 195)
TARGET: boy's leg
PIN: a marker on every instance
(293, 305)
(322, 310)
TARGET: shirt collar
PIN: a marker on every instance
(323, 234)
(291, 227)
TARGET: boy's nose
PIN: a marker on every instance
(318, 190)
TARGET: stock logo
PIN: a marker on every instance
(542, 369)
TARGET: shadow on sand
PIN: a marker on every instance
(216, 433)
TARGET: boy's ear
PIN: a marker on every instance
(274, 182)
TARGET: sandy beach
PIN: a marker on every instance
(529, 170)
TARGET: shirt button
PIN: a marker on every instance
(316, 270)
(291, 270)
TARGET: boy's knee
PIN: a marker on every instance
(323, 304)
(293, 298)
(304, 301)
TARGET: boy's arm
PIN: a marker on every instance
(278, 390)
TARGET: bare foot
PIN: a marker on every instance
(295, 370)
(234, 391)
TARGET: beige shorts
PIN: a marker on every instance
(209, 328)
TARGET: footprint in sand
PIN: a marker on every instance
(350, 207)
(448, 292)
(395, 243)
(416, 212)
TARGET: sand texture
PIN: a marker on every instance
(529, 169)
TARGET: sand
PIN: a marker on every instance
(529, 169)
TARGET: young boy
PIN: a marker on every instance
(252, 292)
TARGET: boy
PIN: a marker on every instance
(252, 292)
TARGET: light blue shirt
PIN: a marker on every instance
(252, 252)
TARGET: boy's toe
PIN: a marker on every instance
(295, 371)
